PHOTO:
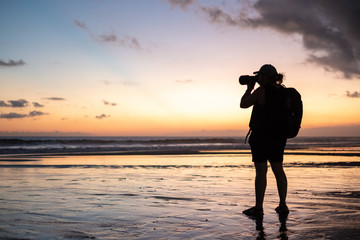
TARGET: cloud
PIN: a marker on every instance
(12, 63)
(36, 113)
(55, 98)
(125, 83)
(81, 24)
(36, 104)
(13, 115)
(184, 4)
(329, 29)
(121, 40)
(132, 42)
(109, 103)
(102, 116)
(18, 103)
(355, 94)
(107, 38)
(128, 83)
(216, 15)
(14, 103)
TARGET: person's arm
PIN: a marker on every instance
(245, 101)
(249, 99)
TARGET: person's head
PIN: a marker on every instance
(268, 74)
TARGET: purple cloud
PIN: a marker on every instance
(13, 115)
(109, 103)
(55, 98)
(184, 4)
(36, 104)
(355, 94)
(12, 63)
(102, 116)
(81, 24)
(328, 29)
(14, 103)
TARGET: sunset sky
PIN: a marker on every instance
(171, 67)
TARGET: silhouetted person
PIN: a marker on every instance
(266, 140)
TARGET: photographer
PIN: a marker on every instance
(267, 140)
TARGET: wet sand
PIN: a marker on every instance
(192, 196)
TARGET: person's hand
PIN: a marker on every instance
(251, 85)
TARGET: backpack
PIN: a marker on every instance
(292, 111)
(281, 115)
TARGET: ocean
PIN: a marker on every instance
(22, 145)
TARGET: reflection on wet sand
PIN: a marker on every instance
(260, 230)
(174, 197)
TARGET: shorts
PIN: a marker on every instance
(266, 147)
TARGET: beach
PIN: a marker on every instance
(177, 195)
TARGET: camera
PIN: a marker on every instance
(245, 79)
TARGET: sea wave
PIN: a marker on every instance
(177, 166)
(20, 145)
(106, 144)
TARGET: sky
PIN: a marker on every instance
(171, 67)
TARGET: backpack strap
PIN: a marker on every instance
(247, 135)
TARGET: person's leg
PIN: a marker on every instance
(258, 151)
(260, 183)
(281, 180)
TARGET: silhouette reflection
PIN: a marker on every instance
(282, 234)
(260, 228)
(283, 229)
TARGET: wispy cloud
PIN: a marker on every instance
(38, 105)
(329, 29)
(14, 103)
(216, 15)
(130, 41)
(11, 63)
(112, 38)
(55, 98)
(128, 83)
(13, 115)
(355, 94)
(36, 113)
(125, 83)
(121, 40)
(80, 24)
(102, 116)
(184, 4)
(109, 103)
(19, 104)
